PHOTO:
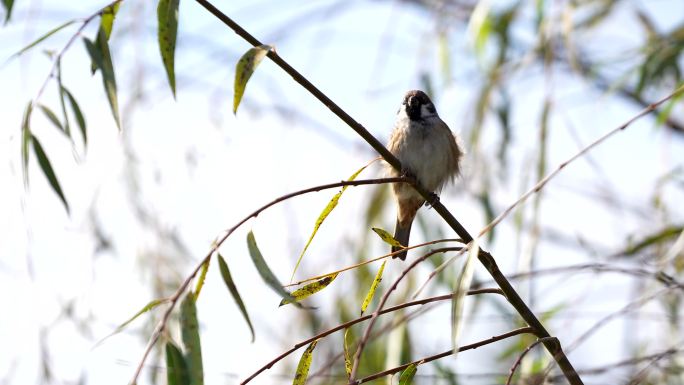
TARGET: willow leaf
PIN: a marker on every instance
(230, 284)
(310, 289)
(244, 70)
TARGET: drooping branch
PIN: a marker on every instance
(173, 299)
(361, 319)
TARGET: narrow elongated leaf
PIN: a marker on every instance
(374, 286)
(232, 288)
(25, 140)
(62, 104)
(462, 285)
(263, 269)
(310, 289)
(176, 369)
(77, 113)
(43, 37)
(201, 278)
(304, 365)
(387, 237)
(95, 55)
(348, 364)
(107, 19)
(244, 70)
(167, 29)
(407, 374)
(52, 117)
(106, 24)
(108, 78)
(45, 165)
(191, 339)
(324, 214)
(150, 305)
(8, 4)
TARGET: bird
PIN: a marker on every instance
(428, 151)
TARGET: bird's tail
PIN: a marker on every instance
(401, 234)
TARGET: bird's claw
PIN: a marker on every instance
(434, 198)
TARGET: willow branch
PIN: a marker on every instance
(159, 329)
(475, 345)
(361, 319)
(522, 355)
(381, 305)
(485, 258)
(354, 266)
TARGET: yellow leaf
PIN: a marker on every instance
(310, 289)
(324, 214)
(387, 237)
(347, 356)
(374, 286)
(244, 70)
(200, 279)
(304, 364)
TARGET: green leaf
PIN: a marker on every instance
(324, 214)
(62, 104)
(374, 286)
(107, 19)
(25, 139)
(8, 4)
(95, 55)
(77, 113)
(150, 305)
(43, 37)
(387, 237)
(244, 70)
(348, 364)
(201, 278)
(407, 374)
(302, 372)
(176, 369)
(263, 269)
(230, 284)
(101, 58)
(167, 19)
(48, 171)
(108, 78)
(462, 285)
(52, 117)
(310, 289)
(191, 339)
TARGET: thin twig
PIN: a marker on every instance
(537, 187)
(354, 266)
(475, 345)
(58, 57)
(381, 305)
(361, 319)
(174, 298)
(522, 355)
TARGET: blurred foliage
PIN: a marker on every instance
(510, 42)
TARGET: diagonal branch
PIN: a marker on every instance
(485, 258)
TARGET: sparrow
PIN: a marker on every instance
(428, 151)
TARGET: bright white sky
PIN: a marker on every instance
(198, 169)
